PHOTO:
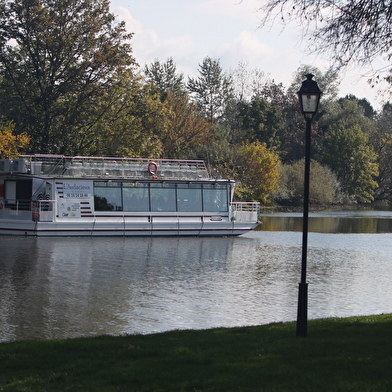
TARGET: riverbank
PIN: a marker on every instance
(350, 354)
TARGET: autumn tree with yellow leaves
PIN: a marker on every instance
(11, 144)
(258, 171)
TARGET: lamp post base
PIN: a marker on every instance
(302, 313)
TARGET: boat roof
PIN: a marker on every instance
(46, 165)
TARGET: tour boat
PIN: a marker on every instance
(55, 195)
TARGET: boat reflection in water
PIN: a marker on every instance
(63, 287)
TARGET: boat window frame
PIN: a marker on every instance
(207, 190)
(118, 204)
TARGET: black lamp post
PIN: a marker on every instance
(309, 97)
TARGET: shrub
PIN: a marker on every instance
(323, 188)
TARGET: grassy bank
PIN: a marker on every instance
(353, 354)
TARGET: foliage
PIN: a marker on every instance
(258, 171)
(212, 90)
(368, 110)
(247, 83)
(347, 152)
(351, 31)
(261, 120)
(131, 127)
(382, 144)
(346, 113)
(186, 128)
(220, 153)
(324, 188)
(60, 62)
(328, 81)
(68, 80)
(10, 144)
(165, 76)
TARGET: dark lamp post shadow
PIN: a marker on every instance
(309, 97)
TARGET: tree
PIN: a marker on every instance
(346, 113)
(382, 143)
(328, 81)
(291, 135)
(10, 144)
(352, 31)
(276, 94)
(368, 110)
(258, 171)
(59, 63)
(324, 187)
(262, 120)
(347, 152)
(212, 90)
(186, 129)
(165, 76)
(247, 83)
(133, 126)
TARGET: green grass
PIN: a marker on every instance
(352, 354)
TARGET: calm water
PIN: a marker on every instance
(67, 287)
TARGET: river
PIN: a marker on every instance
(69, 287)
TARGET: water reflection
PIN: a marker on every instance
(61, 287)
(361, 221)
(68, 287)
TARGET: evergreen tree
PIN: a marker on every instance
(165, 76)
(212, 90)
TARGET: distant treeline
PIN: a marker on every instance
(69, 84)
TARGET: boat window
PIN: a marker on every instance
(136, 196)
(160, 196)
(163, 196)
(215, 197)
(107, 196)
(189, 197)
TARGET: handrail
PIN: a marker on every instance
(85, 166)
(244, 211)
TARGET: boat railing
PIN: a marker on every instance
(81, 166)
(244, 211)
(36, 210)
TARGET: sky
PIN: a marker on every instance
(228, 30)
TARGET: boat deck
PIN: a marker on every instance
(103, 167)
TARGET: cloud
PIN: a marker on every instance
(147, 45)
(245, 10)
(225, 30)
(133, 25)
(245, 46)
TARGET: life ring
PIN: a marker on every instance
(152, 168)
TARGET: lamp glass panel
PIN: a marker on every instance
(309, 103)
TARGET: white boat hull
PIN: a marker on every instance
(123, 227)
